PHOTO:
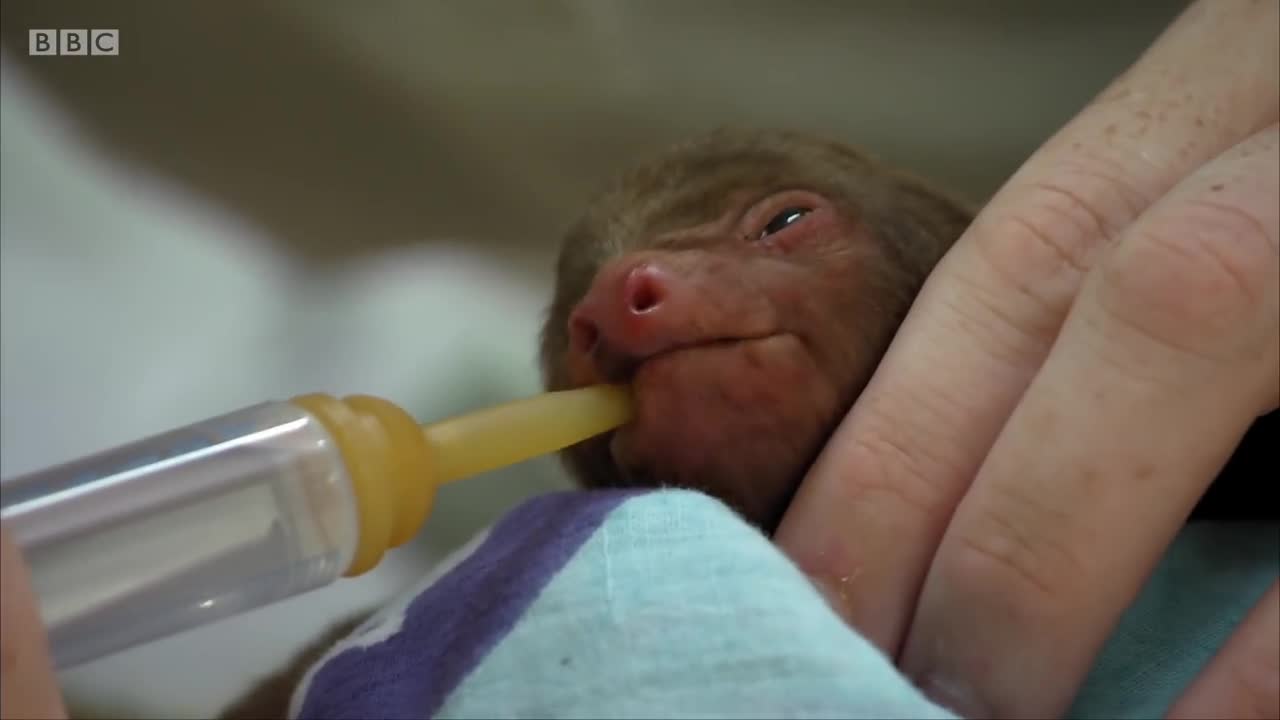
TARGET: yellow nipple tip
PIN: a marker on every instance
(517, 431)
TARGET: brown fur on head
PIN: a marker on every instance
(765, 341)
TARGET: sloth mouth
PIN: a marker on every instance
(645, 369)
(692, 400)
(703, 384)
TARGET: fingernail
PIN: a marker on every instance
(952, 696)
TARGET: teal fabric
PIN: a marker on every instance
(676, 609)
(1208, 581)
(670, 607)
(749, 628)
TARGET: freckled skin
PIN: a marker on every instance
(772, 339)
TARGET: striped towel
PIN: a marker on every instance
(662, 603)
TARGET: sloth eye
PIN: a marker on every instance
(783, 220)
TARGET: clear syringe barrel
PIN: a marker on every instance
(226, 515)
(183, 528)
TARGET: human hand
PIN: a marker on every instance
(1066, 387)
(28, 686)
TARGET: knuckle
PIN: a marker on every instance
(1011, 553)
(1001, 566)
(885, 474)
(905, 460)
(1029, 251)
(1191, 277)
(1233, 242)
(1051, 239)
(1015, 335)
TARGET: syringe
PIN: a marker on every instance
(210, 520)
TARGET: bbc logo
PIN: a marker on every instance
(73, 42)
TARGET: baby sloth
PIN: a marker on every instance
(746, 284)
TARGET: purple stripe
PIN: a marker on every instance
(453, 625)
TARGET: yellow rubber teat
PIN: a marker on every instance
(396, 466)
(507, 434)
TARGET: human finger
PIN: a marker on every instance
(871, 512)
(1169, 354)
(1243, 678)
(28, 686)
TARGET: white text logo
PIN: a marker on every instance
(73, 42)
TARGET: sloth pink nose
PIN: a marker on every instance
(625, 317)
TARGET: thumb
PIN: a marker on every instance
(28, 686)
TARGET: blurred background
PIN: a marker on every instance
(255, 200)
